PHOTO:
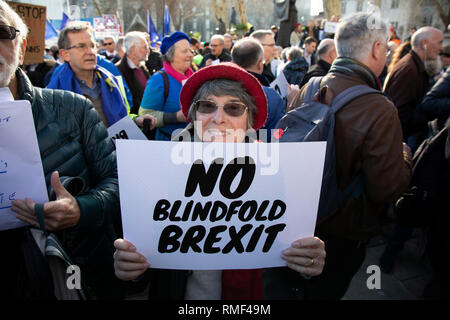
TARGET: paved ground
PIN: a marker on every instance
(406, 281)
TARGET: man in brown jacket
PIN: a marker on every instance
(406, 86)
(369, 142)
(408, 82)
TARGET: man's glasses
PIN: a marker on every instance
(443, 54)
(108, 43)
(233, 109)
(83, 46)
(8, 32)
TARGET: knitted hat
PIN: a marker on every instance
(170, 40)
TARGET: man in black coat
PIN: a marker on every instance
(218, 51)
(132, 66)
(326, 53)
(154, 61)
(110, 53)
(267, 40)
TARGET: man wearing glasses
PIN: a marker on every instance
(82, 74)
(218, 52)
(73, 143)
(110, 53)
(267, 40)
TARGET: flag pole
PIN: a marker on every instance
(163, 16)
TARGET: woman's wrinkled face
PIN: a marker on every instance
(218, 126)
(183, 56)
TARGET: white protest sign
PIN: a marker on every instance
(280, 85)
(125, 128)
(215, 62)
(21, 173)
(330, 27)
(218, 214)
(106, 26)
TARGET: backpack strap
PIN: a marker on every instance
(166, 84)
(312, 88)
(350, 94)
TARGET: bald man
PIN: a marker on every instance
(326, 53)
(408, 82)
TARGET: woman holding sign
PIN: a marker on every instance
(225, 102)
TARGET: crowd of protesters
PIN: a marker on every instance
(182, 79)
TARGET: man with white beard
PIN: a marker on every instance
(408, 82)
(73, 143)
(406, 86)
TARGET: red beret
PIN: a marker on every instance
(230, 71)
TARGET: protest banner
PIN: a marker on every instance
(280, 85)
(330, 27)
(125, 128)
(21, 173)
(35, 17)
(106, 26)
(208, 206)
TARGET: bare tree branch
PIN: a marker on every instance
(445, 18)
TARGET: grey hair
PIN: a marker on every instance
(294, 52)
(227, 35)
(170, 54)
(247, 52)
(356, 34)
(110, 37)
(10, 17)
(223, 87)
(421, 34)
(261, 34)
(284, 53)
(219, 37)
(73, 27)
(133, 38)
(325, 46)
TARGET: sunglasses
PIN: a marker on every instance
(108, 44)
(442, 54)
(8, 32)
(233, 109)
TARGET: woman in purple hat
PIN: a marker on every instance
(162, 93)
(225, 102)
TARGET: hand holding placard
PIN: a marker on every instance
(21, 173)
(225, 214)
(128, 263)
(60, 214)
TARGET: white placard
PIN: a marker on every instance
(280, 85)
(214, 62)
(125, 128)
(330, 27)
(21, 173)
(230, 220)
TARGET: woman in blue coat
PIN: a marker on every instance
(162, 93)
